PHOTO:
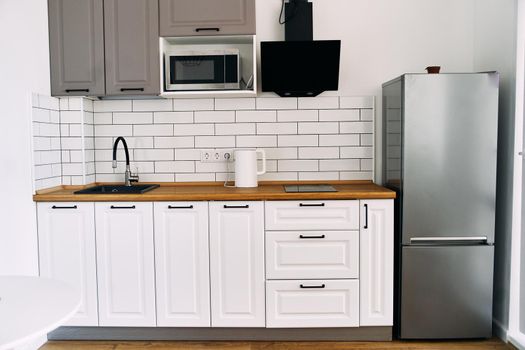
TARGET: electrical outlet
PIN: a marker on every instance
(216, 155)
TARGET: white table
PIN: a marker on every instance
(31, 307)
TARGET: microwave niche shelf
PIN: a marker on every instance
(246, 44)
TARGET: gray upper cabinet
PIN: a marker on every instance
(76, 45)
(205, 17)
(132, 47)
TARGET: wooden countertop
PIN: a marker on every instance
(215, 191)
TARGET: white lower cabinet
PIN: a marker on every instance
(237, 264)
(66, 244)
(182, 264)
(312, 303)
(125, 264)
(312, 254)
(377, 262)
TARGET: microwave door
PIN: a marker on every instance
(196, 72)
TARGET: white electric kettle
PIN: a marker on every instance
(246, 166)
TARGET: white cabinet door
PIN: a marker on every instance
(182, 264)
(66, 245)
(312, 303)
(312, 254)
(125, 264)
(377, 262)
(312, 215)
(237, 264)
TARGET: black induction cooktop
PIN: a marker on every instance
(309, 188)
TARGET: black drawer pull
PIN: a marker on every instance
(119, 207)
(131, 89)
(180, 207)
(236, 206)
(312, 287)
(67, 207)
(311, 204)
(77, 90)
(311, 237)
(366, 216)
(207, 29)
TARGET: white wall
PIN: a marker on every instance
(382, 39)
(495, 49)
(24, 68)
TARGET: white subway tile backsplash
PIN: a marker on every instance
(356, 102)
(320, 138)
(174, 142)
(297, 140)
(297, 116)
(257, 141)
(214, 141)
(235, 129)
(319, 128)
(214, 117)
(193, 104)
(276, 103)
(298, 165)
(152, 105)
(153, 154)
(132, 118)
(153, 130)
(172, 117)
(256, 116)
(111, 106)
(113, 130)
(320, 102)
(234, 104)
(337, 115)
(193, 129)
(319, 152)
(339, 140)
(356, 127)
(276, 128)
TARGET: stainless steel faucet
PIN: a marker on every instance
(128, 176)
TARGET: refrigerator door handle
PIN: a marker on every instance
(450, 240)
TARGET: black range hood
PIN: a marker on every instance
(300, 68)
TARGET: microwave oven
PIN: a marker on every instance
(202, 70)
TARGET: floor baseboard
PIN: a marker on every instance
(499, 330)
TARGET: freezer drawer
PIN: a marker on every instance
(446, 292)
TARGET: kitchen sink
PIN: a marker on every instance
(117, 189)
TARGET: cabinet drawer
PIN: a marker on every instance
(312, 254)
(312, 303)
(312, 215)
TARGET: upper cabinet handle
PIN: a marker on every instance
(366, 216)
(131, 89)
(207, 29)
(311, 237)
(311, 204)
(119, 207)
(77, 90)
(312, 287)
(236, 206)
(180, 207)
(65, 207)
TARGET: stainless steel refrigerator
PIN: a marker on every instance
(439, 155)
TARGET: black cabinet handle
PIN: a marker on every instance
(312, 237)
(207, 29)
(77, 90)
(236, 206)
(180, 207)
(312, 287)
(131, 89)
(66, 207)
(366, 216)
(311, 204)
(119, 207)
